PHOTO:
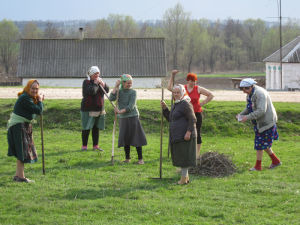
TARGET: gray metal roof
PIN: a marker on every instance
(290, 53)
(66, 58)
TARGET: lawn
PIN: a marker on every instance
(84, 188)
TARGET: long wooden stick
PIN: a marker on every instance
(172, 77)
(42, 141)
(107, 96)
(161, 134)
(114, 131)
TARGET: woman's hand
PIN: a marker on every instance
(187, 135)
(119, 111)
(163, 104)
(241, 118)
(100, 82)
(41, 97)
(174, 72)
(118, 82)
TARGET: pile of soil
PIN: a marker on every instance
(213, 164)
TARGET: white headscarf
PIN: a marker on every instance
(183, 94)
(92, 71)
(247, 82)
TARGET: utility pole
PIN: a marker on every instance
(280, 40)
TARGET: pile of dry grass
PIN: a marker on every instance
(213, 164)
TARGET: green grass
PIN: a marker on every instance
(84, 188)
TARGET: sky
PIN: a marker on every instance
(143, 10)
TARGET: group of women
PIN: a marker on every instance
(185, 118)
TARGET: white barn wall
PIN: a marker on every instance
(291, 73)
(290, 76)
(273, 80)
(268, 76)
(147, 82)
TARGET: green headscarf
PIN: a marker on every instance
(124, 78)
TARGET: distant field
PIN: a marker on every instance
(234, 75)
(181, 75)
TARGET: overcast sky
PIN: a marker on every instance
(145, 10)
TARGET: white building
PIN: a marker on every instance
(290, 79)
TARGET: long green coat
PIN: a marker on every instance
(182, 119)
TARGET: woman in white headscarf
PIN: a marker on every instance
(92, 107)
(262, 114)
(182, 131)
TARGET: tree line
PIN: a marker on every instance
(201, 46)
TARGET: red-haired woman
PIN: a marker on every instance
(194, 91)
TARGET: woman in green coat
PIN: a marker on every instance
(19, 134)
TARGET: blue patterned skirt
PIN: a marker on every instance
(265, 139)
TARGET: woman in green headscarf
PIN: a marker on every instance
(131, 132)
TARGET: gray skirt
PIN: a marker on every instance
(131, 132)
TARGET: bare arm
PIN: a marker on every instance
(209, 95)
(171, 81)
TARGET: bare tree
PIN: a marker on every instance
(31, 31)
(175, 22)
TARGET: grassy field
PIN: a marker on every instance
(84, 188)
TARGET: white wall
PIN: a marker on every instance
(291, 73)
(290, 76)
(151, 82)
(273, 78)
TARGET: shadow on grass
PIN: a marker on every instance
(127, 192)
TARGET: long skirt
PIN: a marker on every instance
(20, 143)
(88, 122)
(184, 153)
(131, 132)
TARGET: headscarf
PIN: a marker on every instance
(92, 71)
(183, 94)
(247, 82)
(27, 90)
(124, 78)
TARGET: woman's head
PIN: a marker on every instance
(32, 89)
(178, 92)
(126, 81)
(93, 73)
(191, 79)
(246, 85)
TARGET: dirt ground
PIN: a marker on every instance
(220, 95)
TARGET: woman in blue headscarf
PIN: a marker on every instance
(131, 132)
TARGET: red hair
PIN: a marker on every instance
(191, 76)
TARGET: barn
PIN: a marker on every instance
(65, 62)
(290, 67)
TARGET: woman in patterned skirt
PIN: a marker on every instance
(19, 135)
(261, 112)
